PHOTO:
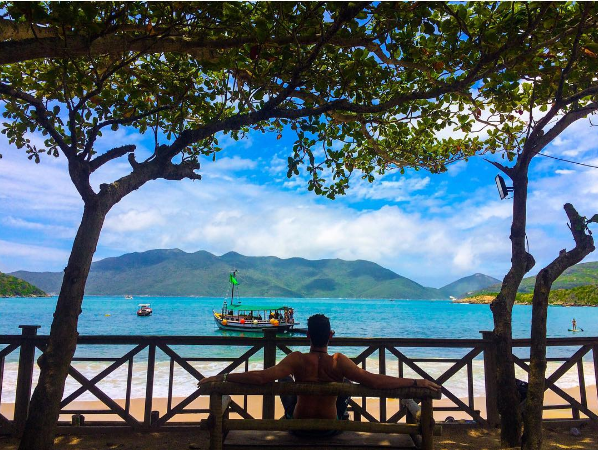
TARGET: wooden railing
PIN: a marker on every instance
(390, 355)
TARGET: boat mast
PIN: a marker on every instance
(233, 281)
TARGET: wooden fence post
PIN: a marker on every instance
(595, 355)
(149, 387)
(427, 425)
(382, 370)
(24, 377)
(492, 415)
(269, 361)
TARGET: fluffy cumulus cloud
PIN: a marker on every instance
(431, 229)
(257, 220)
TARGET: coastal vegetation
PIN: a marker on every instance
(585, 295)
(364, 87)
(15, 287)
(577, 275)
(177, 273)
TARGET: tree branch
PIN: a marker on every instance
(542, 141)
(111, 154)
(42, 115)
(508, 171)
(345, 15)
(93, 132)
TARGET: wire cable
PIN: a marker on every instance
(567, 160)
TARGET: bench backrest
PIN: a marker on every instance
(346, 389)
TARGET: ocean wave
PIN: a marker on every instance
(184, 384)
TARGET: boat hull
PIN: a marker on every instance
(251, 327)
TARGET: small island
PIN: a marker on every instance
(15, 287)
(586, 295)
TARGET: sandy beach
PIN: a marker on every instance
(254, 405)
(453, 438)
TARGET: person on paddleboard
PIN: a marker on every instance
(574, 324)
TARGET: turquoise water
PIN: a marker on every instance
(349, 317)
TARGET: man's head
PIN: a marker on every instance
(318, 327)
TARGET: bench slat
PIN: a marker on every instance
(354, 390)
(318, 424)
(322, 424)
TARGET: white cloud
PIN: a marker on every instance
(36, 257)
(133, 220)
(456, 168)
(57, 231)
(433, 237)
(233, 164)
(399, 190)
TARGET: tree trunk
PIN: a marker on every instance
(521, 262)
(508, 399)
(532, 417)
(532, 436)
(55, 361)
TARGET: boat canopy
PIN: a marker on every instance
(255, 308)
(143, 304)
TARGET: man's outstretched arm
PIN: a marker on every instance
(355, 373)
(283, 369)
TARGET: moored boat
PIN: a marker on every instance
(254, 318)
(144, 309)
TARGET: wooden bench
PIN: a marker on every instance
(420, 423)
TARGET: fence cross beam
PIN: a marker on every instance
(103, 374)
(464, 407)
(550, 384)
(111, 404)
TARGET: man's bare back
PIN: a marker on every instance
(319, 366)
(316, 366)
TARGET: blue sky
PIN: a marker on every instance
(430, 228)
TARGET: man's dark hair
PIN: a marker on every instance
(318, 326)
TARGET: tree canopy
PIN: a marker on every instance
(362, 85)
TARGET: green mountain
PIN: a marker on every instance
(14, 287)
(468, 284)
(578, 275)
(177, 273)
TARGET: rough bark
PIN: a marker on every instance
(584, 245)
(521, 262)
(56, 359)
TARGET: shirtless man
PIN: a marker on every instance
(318, 365)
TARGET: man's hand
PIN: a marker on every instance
(427, 384)
(210, 379)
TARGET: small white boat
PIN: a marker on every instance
(129, 297)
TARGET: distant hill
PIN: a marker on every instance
(468, 284)
(177, 273)
(14, 287)
(579, 275)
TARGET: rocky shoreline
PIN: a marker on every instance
(487, 299)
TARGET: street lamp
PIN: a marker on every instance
(503, 190)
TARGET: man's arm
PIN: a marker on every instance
(355, 373)
(283, 369)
